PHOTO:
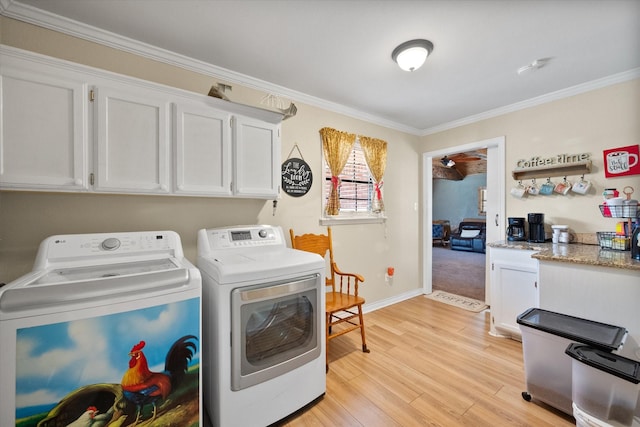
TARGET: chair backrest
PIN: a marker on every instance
(320, 244)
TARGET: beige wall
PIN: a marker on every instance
(26, 218)
(587, 123)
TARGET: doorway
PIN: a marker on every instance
(495, 201)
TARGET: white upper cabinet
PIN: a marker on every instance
(43, 131)
(256, 158)
(68, 127)
(202, 157)
(133, 141)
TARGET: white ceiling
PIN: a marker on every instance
(337, 54)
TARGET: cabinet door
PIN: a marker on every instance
(43, 132)
(256, 147)
(514, 290)
(132, 141)
(202, 150)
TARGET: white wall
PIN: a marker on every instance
(589, 122)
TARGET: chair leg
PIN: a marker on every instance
(364, 341)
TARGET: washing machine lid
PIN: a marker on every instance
(68, 285)
(267, 263)
(93, 272)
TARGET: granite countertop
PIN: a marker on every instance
(574, 253)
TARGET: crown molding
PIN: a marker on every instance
(16, 10)
(539, 100)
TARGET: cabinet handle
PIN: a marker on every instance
(496, 220)
(535, 284)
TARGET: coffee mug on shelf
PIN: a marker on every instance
(533, 188)
(581, 187)
(547, 188)
(518, 191)
(562, 187)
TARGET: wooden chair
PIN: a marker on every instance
(343, 306)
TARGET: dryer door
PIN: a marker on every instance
(275, 329)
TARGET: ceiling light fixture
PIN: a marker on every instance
(411, 55)
(447, 162)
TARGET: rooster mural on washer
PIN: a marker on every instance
(138, 367)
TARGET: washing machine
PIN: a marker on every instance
(263, 325)
(106, 328)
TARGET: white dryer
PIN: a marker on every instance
(106, 326)
(263, 325)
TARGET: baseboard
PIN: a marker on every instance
(390, 301)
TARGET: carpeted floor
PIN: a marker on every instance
(458, 272)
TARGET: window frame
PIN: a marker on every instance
(349, 217)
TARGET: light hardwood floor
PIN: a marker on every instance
(430, 364)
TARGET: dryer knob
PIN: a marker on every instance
(110, 244)
(262, 233)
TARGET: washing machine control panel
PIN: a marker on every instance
(242, 237)
(96, 245)
(110, 244)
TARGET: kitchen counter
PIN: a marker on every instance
(574, 253)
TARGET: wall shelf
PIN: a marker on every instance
(576, 168)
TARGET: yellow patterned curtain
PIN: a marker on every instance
(336, 146)
(375, 153)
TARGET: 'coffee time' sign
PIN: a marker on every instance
(558, 160)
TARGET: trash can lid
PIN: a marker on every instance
(595, 334)
(614, 364)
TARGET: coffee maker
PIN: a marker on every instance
(515, 229)
(536, 227)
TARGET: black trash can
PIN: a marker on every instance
(545, 336)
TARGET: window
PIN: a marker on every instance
(356, 186)
(359, 162)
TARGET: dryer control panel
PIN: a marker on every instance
(245, 236)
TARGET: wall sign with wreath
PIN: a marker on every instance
(296, 175)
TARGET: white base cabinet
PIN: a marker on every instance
(603, 294)
(67, 127)
(514, 289)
